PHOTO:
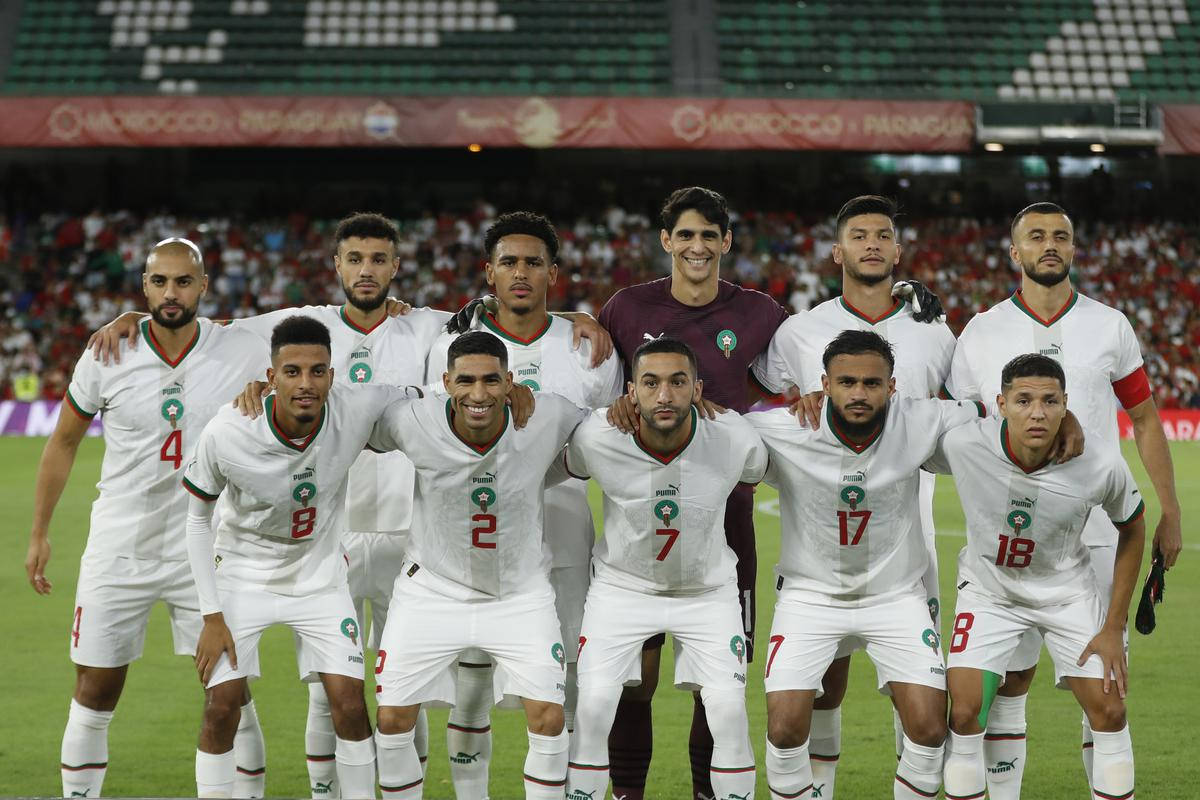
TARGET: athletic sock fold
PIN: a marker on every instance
(84, 751)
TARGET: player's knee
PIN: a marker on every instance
(98, 690)
(928, 730)
(545, 719)
(726, 713)
(396, 719)
(1017, 682)
(222, 709)
(1107, 714)
(786, 731)
(964, 716)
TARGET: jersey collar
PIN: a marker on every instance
(841, 437)
(478, 449)
(148, 335)
(1011, 456)
(667, 458)
(495, 327)
(354, 326)
(1019, 301)
(269, 407)
(891, 312)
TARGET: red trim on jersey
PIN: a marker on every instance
(1133, 389)
(76, 407)
(667, 458)
(1019, 300)
(358, 327)
(896, 304)
(1008, 451)
(1137, 514)
(481, 449)
(148, 331)
(491, 322)
(193, 489)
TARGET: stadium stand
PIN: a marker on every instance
(414, 47)
(64, 276)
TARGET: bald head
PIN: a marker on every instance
(175, 250)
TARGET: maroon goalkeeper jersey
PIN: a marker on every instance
(727, 334)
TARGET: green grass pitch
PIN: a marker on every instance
(153, 735)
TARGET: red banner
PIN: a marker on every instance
(1179, 424)
(650, 123)
(1181, 130)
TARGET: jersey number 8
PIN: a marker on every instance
(303, 520)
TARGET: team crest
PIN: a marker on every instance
(1019, 520)
(350, 629)
(559, 653)
(930, 638)
(666, 510)
(934, 608)
(360, 372)
(737, 646)
(853, 495)
(483, 497)
(304, 493)
(172, 411)
(532, 384)
(727, 340)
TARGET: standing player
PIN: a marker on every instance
(1100, 356)
(522, 249)
(853, 560)
(278, 556)
(663, 565)
(868, 251)
(477, 570)
(727, 328)
(1026, 566)
(154, 406)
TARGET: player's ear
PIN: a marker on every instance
(891, 386)
(553, 273)
(664, 237)
(508, 382)
(727, 241)
(1000, 402)
(825, 384)
(271, 377)
(837, 254)
(446, 381)
(488, 273)
(1013, 254)
(629, 391)
(697, 390)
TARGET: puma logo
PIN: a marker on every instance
(649, 338)
(84, 793)
(465, 758)
(1004, 766)
(817, 788)
(322, 788)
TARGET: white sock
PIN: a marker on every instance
(399, 769)
(356, 768)
(1004, 747)
(587, 772)
(469, 733)
(319, 744)
(919, 773)
(84, 751)
(789, 772)
(250, 753)
(824, 749)
(215, 774)
(963, 774)
(546, 766)
(1088, 744)
(1112, 773)
(421, 739)
(732, 769)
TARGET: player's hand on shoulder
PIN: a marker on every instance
(520, 401)
(215, 639)
(397, 308)
(105, 343)
(623, 414)
(708, 409)
(250, 401)
(1109, 645)
(466, 317)
(36, 560)
(806, 408)
(926, 306)
(587, 327)
(1069, 443)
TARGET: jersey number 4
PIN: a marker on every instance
(844, 517)
(172, 448)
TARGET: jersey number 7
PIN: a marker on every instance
(844, 517)
(671, 535)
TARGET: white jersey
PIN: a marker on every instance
(1095, 345)
(664, 515)
(477, 516)
(923, 350)
(154, 410)
(379, 494)
(284, 500)
(547, 362)
(851, 520)
(1024, 528)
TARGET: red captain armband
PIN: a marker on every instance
(1133, 389)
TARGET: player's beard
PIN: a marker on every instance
(1047, 279)
(858, 429)
(186, 315)
(365, 304)
(868, 279)
(682, 417)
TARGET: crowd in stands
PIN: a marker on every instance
(62, 277)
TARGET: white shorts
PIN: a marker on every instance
(323, 623)
(1103, 558)
(897, 634)
(112, 605)
(987, 631)
(710, 644)
(374, 563)
(423, 639)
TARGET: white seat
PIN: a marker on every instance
(429, 7)
(179, 22)
(1119, 78)
(1078, 61)
(1093, 45)
(312, 38)
(391, 23)
(333, 23)
(467, 23)
(392, 7)
(107, 8)
(1112, 47)
(239, 7)
(1151, 46)
(411, 38)
(188, 86)
(1133, 46)
(260, 7)
(391, 38)
(354, 7)
(1074, 45)
(1038, 60)
(468, 7)
(151, 72)
(173, 54)
(1055, 44)
(313, 24)
(1061, 77)
(1021, 77)
(1135, 62)
(372, 38)
(1119, 61)
(373, 8)
(1104, 14)
(145, 6)
(449, 7)
(1081, 78)
(331, 38)
(119, 39)
(193, 54)
(1109, 30)
(1179, 16)
(506, 23)
(1165, 30)
(160, 22)
(1161, 14)
(1007, 93)
(140, 38)
(430, 39)
(1084, 93)
(1105, 93)
(154, 54)
(183, 7)
(1065, 93)
(1058, 61)
(1070, 28)
(487, 23)
(1123, 14)
(167, 86)
(352, 38)
(212, 55)
(1146, 31)
(1096, 61)
(1026, 92)
(488, 7)
(1142, 14)
(449, 22)
(1041, 77)
(1089, 30)
(141, 22)
(1099, 77)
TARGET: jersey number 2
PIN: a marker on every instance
(172, 448)
(487, 527)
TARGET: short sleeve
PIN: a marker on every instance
(755, 467)
(962, 383)
(778, 367)
(1129, 380)
(953, 413)
(1122, 500)
(569, 415)
(388, 432)
(939, 462)
(574, 458)
(605, 383)
(202, 476)
(83, 395)
(262, 325)
(941, 361)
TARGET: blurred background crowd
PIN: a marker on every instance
(63, 276)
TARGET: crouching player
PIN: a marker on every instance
(663, 565)
(1026, 567)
